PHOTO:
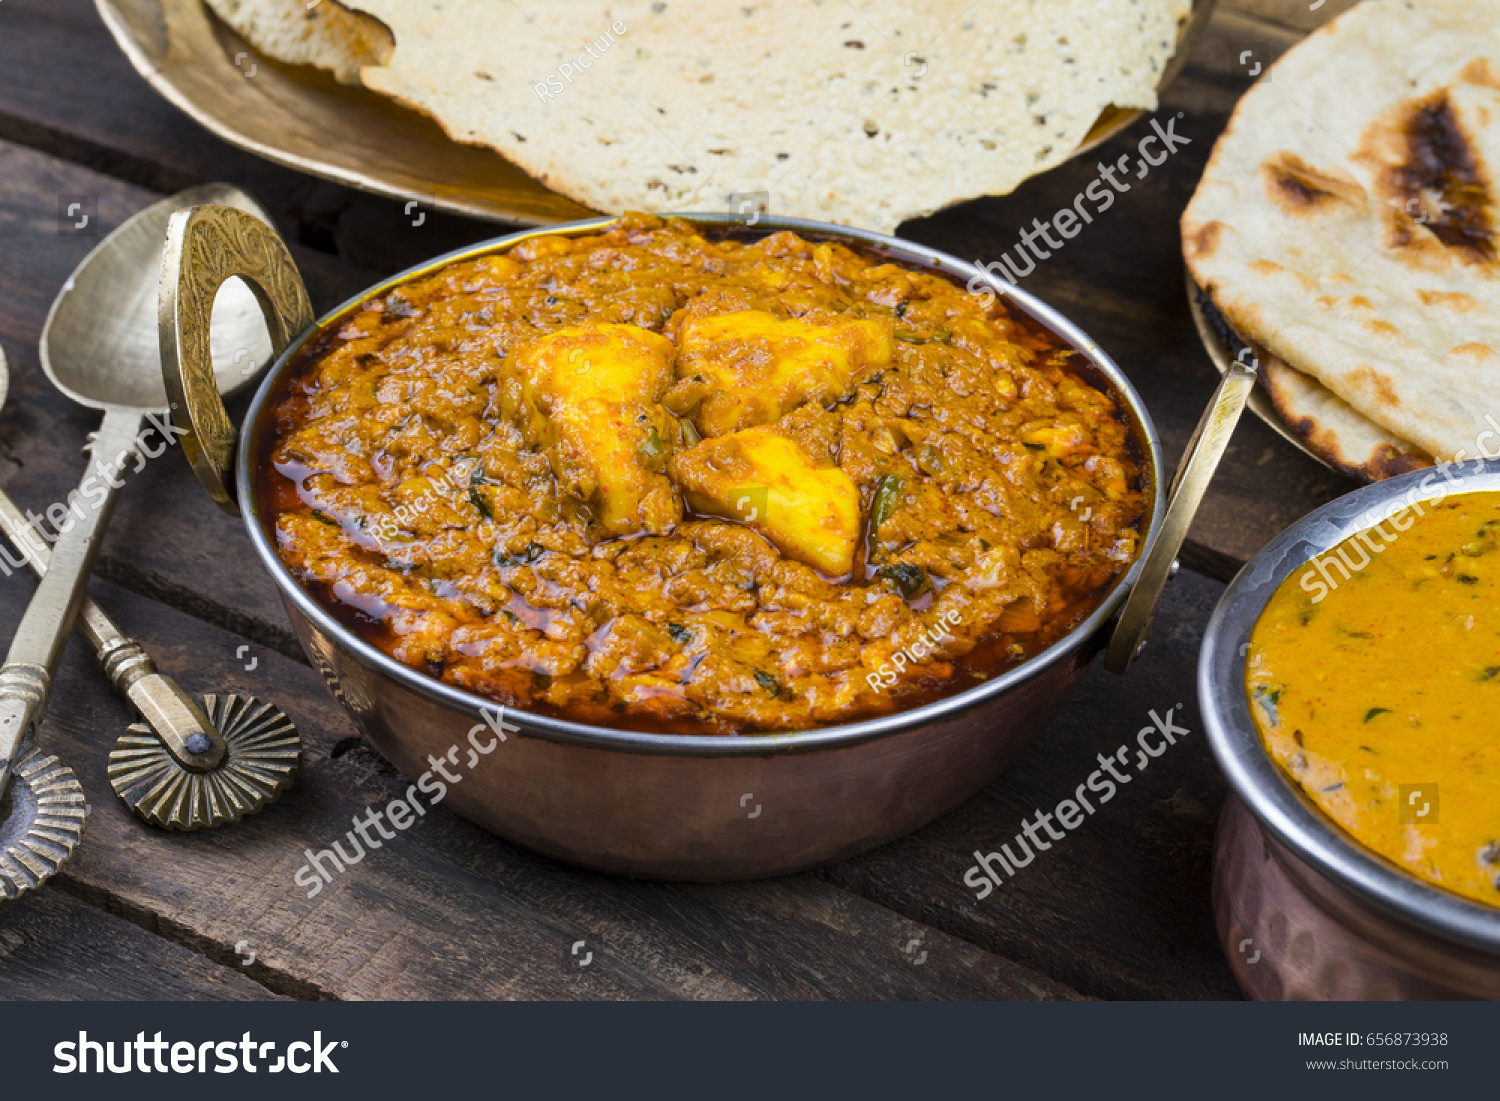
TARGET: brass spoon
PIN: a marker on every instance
(99, 348)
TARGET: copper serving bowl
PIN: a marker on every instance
(1304, 910)
(669, 806)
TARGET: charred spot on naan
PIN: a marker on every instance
(1481, 72)
(1375, 384)
(1270, 268)
(1456, 301)
(1436, 189)
(1388, 462)
(1204, 241)
(1473, 350)
(1382, 462)
(1298, 188)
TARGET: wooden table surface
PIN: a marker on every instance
(1118, 910)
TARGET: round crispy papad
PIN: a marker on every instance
(862, 112)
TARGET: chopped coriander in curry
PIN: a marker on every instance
(1372, 676)
(652, 480)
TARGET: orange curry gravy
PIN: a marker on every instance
(656, 481)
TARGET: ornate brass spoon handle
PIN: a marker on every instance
(26, 679)
(42, 807)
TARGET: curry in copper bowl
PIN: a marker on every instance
(665, 478)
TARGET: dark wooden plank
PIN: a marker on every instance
(1294, 15)
(56, 948)
(447, 910)
(1120, 907)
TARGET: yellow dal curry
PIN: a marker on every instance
(648, 479)
(1374, 678)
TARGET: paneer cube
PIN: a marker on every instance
(745, 368)
(591, 403)
(808, 510)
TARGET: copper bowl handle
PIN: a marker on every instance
(205, 246)
(1199, 461)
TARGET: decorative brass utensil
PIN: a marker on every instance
(180, 769)
(42, 808)
(262, 751)
(97, 348)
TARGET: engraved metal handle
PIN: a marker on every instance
(26, 677)
(205, 246)
(1199, 461)
(181, 723)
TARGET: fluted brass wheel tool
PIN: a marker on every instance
(261, 753)
(41, 821)
(181, 768)
(98, 348)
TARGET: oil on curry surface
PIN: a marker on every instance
(656, 481)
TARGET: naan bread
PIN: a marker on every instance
(865, 113)
(325, 34)
(1348, 441)
(1308, 411)
(1347, 219)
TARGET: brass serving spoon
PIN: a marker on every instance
(99, 348)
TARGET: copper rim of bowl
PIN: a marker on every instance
(710, 745)
(1275, 801)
